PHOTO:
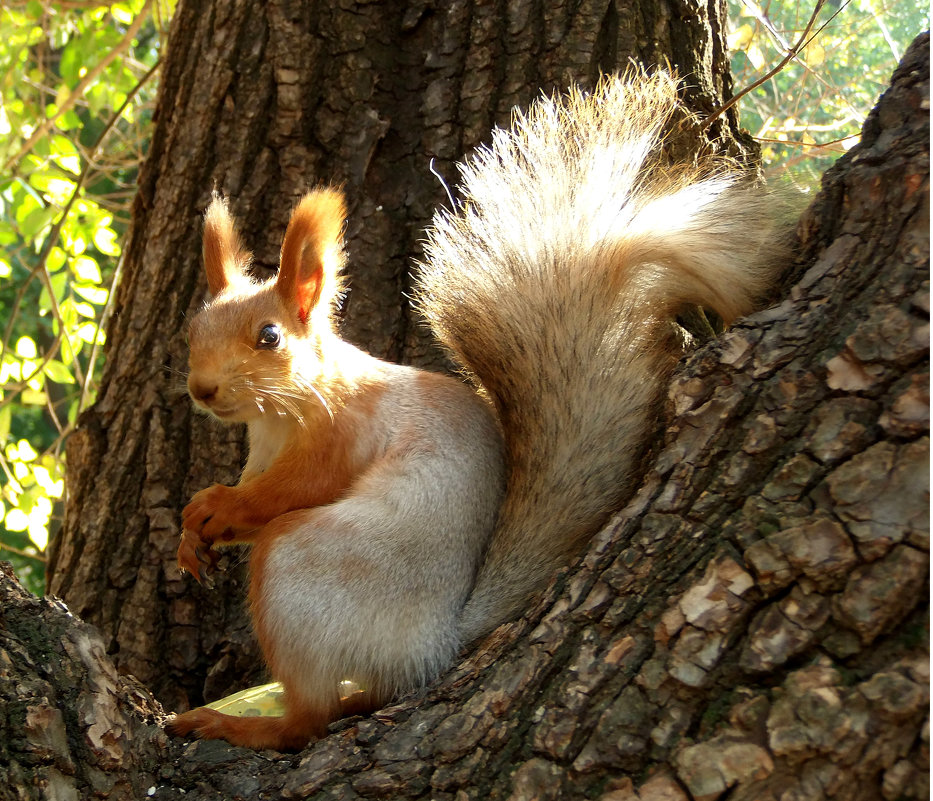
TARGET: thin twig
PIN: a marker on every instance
(12, 549)
(792, 53)
(801, 143)
(885, 34)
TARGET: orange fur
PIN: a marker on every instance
(310, 251)
(224, 254)
(289, 732)
(301, 722)
(320, 447)
(284, 486)
(235, 515)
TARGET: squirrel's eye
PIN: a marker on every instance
(269, 337)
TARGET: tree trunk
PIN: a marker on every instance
(755, 623)
(262, 101)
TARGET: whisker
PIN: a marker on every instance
(284, 394)
(281, 406)
(302, 395)
(176, 388)
(320, 397)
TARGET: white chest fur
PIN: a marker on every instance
(267, 438)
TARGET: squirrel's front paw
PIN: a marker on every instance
(195, 556)
(209, 513)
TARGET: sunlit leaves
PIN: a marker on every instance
(70, 148)
(92, 294)
(58, 372)
(85, 269)
(26, 348)
(35, 483)
(105, 240)
(743, 38)
(813, 110)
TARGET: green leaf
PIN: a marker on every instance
(68, 121)
(45, 302)
(24, 202)
(60, 285)
(58, 372)
(38, 530)
(53, 184)
(75, 241)
(8, 233)
(86, 269)
(36, 221)
(89, 332)
(6, 418)
(66, 154)
(56, 260)
(70, 62)
(32, 397)
(93, 294)
(86, 310)
(26, 348)
(16, 520)
(121, 13)
(105, 240)
(10, 370)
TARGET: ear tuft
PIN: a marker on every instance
(312, 254)
(225, 258)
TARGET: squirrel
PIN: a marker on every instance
(396, 515)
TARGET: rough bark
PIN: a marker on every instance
(754, 624)
(263, 100)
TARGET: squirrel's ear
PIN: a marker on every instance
(312, 253)
(225, 258)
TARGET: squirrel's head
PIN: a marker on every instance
(255, 348)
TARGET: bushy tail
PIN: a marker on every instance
(555, 284)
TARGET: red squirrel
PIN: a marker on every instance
(396, 515)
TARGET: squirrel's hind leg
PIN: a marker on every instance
(290, 732)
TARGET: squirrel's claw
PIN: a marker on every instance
(196, 557)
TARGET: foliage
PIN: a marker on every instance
(77, 87)
(76, 91)
(812, 111)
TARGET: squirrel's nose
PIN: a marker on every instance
(201, 391)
